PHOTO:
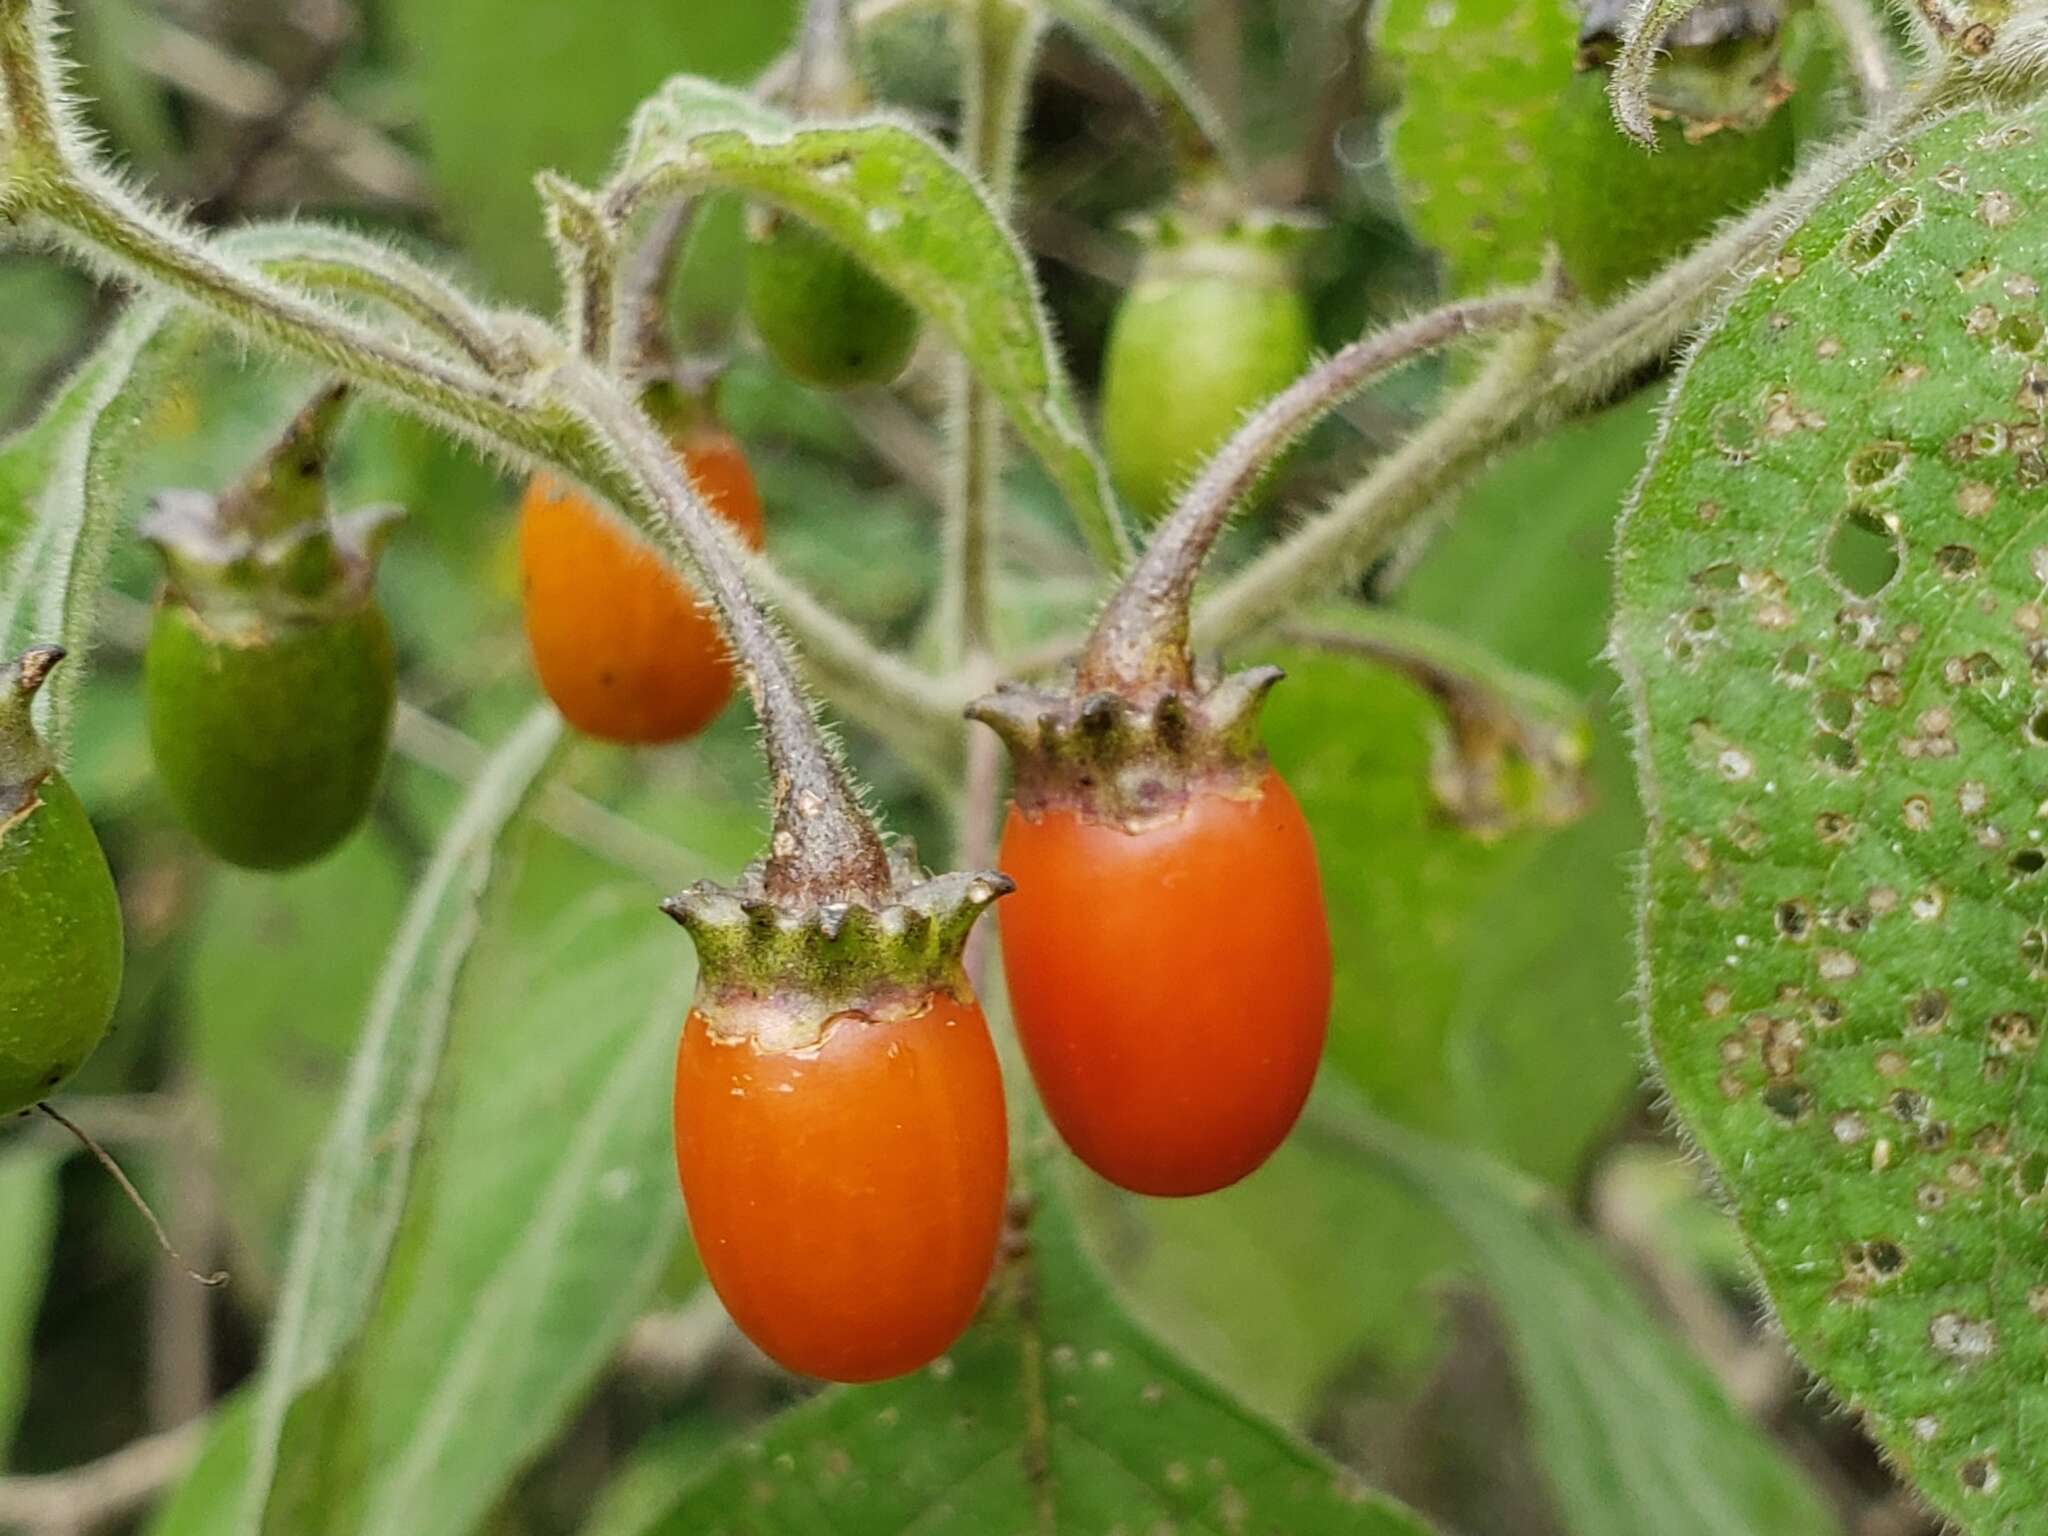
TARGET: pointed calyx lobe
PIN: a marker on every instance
(268, 556)
(778, 971)
(24, 763)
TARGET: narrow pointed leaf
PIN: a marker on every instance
(349, 1219)
(1194, 127)
(28, 1216)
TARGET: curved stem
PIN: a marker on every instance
(1140, 643)
(410, 291)
(822, 847)
(575, 419)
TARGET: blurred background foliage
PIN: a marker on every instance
(1483, 985)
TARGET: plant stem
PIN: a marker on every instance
(822, 847)
(998, 40)
(1532, 377)
(1140, 644)
(573, 418)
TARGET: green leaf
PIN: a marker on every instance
(1194, 128)
(281, 972)
(349, 1218)
(1055, 1413)
(505, 91)
(1831, 627)
(28, 1215)
(1632, 1431)
(1436, 935)
(910, 212)
(541, 1223)
(63, 484)
(1479, 81)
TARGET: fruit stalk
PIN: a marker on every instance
(822, 845)
(1140, 646)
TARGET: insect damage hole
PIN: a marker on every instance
(1865, 245)
(1863, 555)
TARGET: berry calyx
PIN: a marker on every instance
(58, 907)
(269, 677)
(841, 1139)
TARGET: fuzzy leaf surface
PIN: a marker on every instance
(1832, 628)
(915, 216)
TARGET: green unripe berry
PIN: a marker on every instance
(1211, 329)
(268, 680)
(269, 743)
(1618, 212)
(824, 316)
(60, 917)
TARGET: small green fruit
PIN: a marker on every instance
(1211, 329)
(1618, 213)
(269, 744)
(827, 319)
(60, 918)
(268, 680)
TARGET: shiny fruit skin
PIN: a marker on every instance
(1171, 986)
(61, 919)
(616, 634)
(270, 749)
(847, 1200)
(824, 316)
(1189, 357)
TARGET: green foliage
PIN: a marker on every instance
(541, 1220)
(61, 487)
(1630, 1428)
(1056, 1404)
(1830, 621)
(1480, 79)
(507, 91)
(362, 1177)
(1196, 132)
(915, 217)
(1436, 933)
(28, 1215)
(279, 980)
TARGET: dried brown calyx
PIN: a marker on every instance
(778, 971)
(1131, 758)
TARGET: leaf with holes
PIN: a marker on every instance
(909, 211)
(1056, 1404)
(1480, 81)
(1833, 628)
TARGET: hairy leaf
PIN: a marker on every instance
(1632, 1431)
(1055, 1413)
(349, 1218)
(63, 484)
(28, 1215)
(542, 1222)
(910, 212)
(1832, 626)
(1480, 79)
